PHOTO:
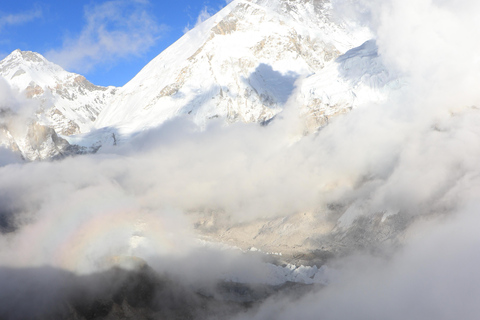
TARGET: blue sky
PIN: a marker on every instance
(107, 41)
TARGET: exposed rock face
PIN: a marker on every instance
(37, 143)
(44, 143)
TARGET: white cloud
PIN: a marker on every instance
(19, 18)
(202, 16)
(114, 30)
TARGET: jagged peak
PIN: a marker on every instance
(35, 68)
(26, 56)
(20, 62)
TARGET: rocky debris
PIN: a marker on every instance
(306, 238)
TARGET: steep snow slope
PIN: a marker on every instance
(242, 65)
(68, 102)
(356, 78)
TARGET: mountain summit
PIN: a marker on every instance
(62, 103)
(69, 103)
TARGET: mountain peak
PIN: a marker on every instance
(68, 103)
(25, 66)
(26, 56)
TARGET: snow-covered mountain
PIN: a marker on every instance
(243, 65)
(61, 103)
(68, 102)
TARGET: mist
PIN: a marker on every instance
(419, 159)
(414, 156)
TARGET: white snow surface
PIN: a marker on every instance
(355, 78)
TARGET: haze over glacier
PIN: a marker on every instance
(282, 159)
